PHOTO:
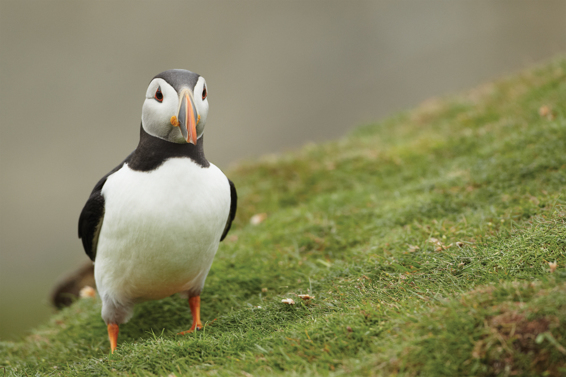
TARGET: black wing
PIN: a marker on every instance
(92, 215)
(233, 206)
(90, 223)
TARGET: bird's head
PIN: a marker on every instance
(176, 106)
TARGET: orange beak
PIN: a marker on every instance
(188, 117)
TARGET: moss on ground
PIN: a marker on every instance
(426, 240)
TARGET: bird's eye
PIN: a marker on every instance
(158, 95)
(204, 93)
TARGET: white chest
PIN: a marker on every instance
(161, 229)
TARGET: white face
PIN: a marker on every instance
(156, 114)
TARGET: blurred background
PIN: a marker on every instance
(280, 74)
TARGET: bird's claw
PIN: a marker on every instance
(197, 328)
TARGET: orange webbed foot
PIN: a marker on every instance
(194, 304)
(113, 335)
(197, 327)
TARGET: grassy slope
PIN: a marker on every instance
(369, 225)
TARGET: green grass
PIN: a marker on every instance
(426, 239)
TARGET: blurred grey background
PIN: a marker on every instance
(280, 74)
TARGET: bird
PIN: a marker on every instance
(68, 289)
(153, 224)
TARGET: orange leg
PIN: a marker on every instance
(113, 335)
(194, 304)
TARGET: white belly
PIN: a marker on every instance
(161, 230)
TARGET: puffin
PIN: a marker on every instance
(153, 224)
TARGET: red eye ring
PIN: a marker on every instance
(158, 95)
(204, 93)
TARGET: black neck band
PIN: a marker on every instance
(152, 152)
